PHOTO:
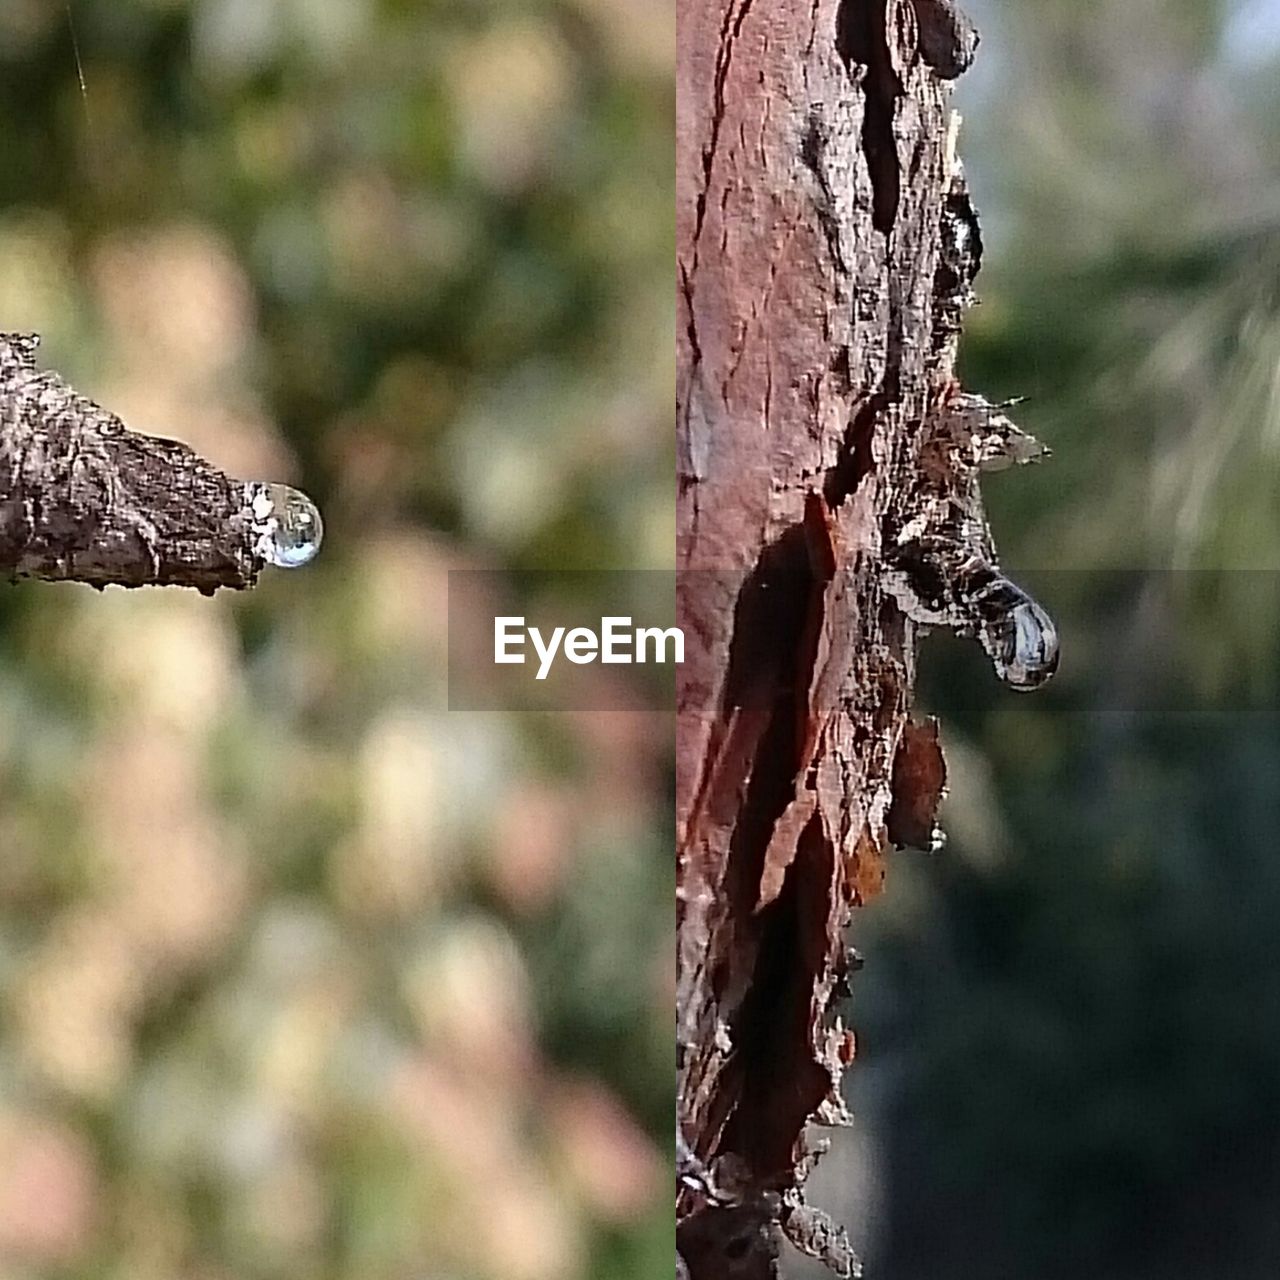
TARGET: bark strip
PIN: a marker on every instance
(815, 155)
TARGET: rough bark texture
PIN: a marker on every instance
(817, 320)
(83, 498)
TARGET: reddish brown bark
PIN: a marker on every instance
(812, 165)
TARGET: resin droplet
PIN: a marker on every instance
(287, 524)
(1021, 641)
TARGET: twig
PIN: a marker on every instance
(83, 498)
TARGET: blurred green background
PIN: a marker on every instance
(303, 975)
(1069, 1021)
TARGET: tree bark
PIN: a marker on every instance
(85, 499)
(822, 266)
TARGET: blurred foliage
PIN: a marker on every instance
(1070, 1020)
(303, 974)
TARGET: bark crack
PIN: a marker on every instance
(730, 30)
(862, 38)
(813, 155)
(855, 459)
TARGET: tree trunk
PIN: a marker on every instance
(825, 248)
(83, 498)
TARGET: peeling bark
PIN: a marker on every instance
(83, 498)
(818, 308)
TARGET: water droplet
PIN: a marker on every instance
(1021, 640)
(287, 523)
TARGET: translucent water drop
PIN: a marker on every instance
(287, 523)
(1021, 641)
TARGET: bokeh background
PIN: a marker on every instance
(1069, 1020)
(302, 974)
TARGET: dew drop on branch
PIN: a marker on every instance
(1021, 641)
(287, 524)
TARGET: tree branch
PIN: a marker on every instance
(83, 498)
